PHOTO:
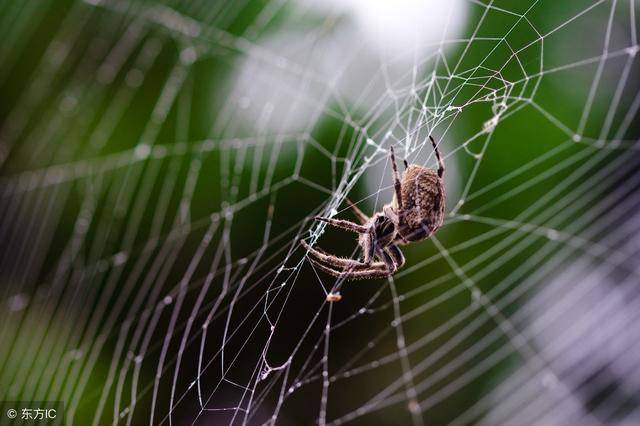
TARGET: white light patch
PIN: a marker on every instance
(366, 52)
(397, 25)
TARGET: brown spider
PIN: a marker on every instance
(415, 213)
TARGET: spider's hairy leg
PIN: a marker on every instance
(360, 215)
(390, 212)
(388, 261)
(440, 162)
(336, 261)
(344, 224)
(395, 252)
(396, 178)
(368, 244)
(372, 272)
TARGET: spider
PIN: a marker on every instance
(415, 213)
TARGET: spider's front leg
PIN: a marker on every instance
(376, 270)
(389, 261)
(440, 162)
(344, 224)
(333, 260)
(398, 258)
(367, 242)
(397, 185)
(347, 268)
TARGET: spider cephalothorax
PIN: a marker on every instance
(414, 214)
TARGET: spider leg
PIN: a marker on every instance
(368, 244)
(359, 214)
(396, 178)
(395, 252)
(388, 261)
(361, 274)
(344, 224)
(335, 261)
(390, 212)
(440, 162)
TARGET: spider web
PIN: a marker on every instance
(160, 163)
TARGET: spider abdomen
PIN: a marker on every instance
(423, 202)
